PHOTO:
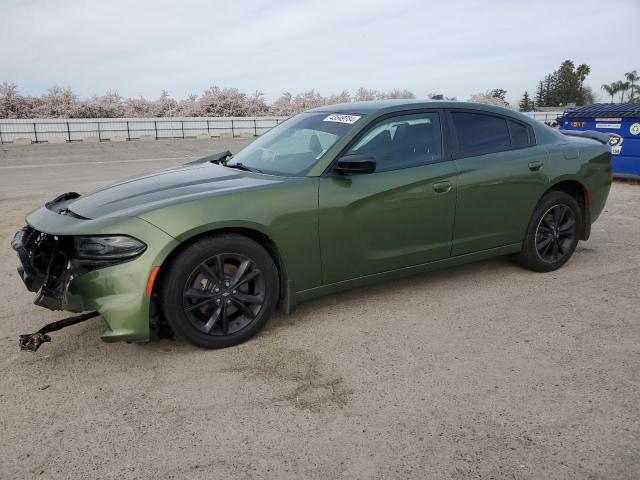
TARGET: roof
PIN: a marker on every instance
(606, 110)
(398, 105)
(369, 107)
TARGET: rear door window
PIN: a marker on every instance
(479, 134)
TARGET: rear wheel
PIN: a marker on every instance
(553, 233)
(219, 291)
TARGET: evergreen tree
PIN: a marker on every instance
(563, 86)
(540, 95)
(568, 84)
(526, 104)
(549, 87)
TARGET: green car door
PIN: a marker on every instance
(501, 177)
(402, 214)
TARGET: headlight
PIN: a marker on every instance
(107, 249)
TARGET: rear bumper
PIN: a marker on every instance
(597, 182)
(117, 292)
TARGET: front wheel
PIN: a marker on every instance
(553, 233)
(219, 291)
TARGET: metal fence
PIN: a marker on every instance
(544, 116)
(123, 129)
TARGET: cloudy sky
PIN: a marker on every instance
(453, 47)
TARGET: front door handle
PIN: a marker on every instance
(535, 166)
(442, 187)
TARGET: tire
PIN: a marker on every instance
(219, 291)
(552, 234)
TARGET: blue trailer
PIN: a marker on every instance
(621, 122)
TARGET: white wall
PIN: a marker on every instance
(74, 129)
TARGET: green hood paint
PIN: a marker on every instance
(141, 194)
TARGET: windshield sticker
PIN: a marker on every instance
(340, 118)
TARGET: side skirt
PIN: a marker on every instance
(407, 271)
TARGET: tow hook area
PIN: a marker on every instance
(30, 342)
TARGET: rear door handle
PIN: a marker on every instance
(535, 166)
(442, 187)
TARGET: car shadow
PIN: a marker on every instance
(86, 337)
(311, 309)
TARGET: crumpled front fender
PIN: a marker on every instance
(117, 292)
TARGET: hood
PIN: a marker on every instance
(136, 195)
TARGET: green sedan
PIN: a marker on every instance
(333, 198)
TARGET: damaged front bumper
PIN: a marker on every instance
(45, 267)
(45, 248)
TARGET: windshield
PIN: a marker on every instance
(295, 145)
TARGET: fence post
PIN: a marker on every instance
(255, 128)
(233, 133)
(68, 133)
(182, 128)
(1, 141)
(208, 128)
(155, 126)
(35, 131)
(99, 135)
(128, 133)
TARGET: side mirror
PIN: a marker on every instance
(355, 164)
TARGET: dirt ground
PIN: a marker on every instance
(483, 371)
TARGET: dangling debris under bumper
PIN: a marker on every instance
(32, 341)
(45, 268)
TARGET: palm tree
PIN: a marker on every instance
(622, 87)
(611, 89)
(633, 77)
(582, 71)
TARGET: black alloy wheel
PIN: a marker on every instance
(224, 294)
(554, 230)
(219, 290)
(556, 233)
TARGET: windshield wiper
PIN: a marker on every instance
(219, 158)
(241, 166)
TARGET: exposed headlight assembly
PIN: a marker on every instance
(108, 249)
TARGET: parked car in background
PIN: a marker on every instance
(333, 198)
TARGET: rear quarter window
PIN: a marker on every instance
(521, 135)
